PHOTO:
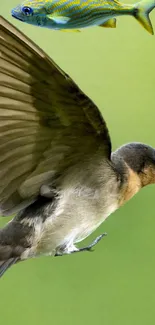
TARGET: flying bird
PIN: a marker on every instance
(72, 15)
(58, 173)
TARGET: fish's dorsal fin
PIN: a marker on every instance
(110, 23)
(59, 19)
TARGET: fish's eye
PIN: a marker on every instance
(27, 11)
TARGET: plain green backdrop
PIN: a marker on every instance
(116, 283)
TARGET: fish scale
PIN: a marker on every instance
(84, 18)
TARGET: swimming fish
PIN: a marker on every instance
(77, 14)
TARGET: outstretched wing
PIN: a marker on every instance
(46, 122)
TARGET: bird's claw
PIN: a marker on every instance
(88, 248)
(94, 243)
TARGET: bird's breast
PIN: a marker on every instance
(71, 224)
(90, 225)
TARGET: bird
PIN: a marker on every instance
(58, 174)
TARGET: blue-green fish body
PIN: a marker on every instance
(77, 14)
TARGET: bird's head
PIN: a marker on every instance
(136, 164)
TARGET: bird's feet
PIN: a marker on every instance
(89, 247)
(63, 251)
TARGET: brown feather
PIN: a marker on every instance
(46, 122)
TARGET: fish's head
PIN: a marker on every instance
(33, 12)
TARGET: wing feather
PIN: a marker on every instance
(46, 122)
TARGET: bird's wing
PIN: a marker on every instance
(46, 122)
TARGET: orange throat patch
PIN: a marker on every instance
(148, 176)
(130, 187)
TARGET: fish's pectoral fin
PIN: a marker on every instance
(110, 23)
(70, 30)
(59, 19)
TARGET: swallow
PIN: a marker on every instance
(58, 174)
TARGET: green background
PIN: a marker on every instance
(116, 283)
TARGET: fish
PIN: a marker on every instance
(74, 15)
(58, 173)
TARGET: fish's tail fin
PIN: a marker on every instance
(4, 265)
(141, 13)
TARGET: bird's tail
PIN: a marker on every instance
(141, 13)
(4, 265)
(10, 250)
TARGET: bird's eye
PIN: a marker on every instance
(27, 11)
